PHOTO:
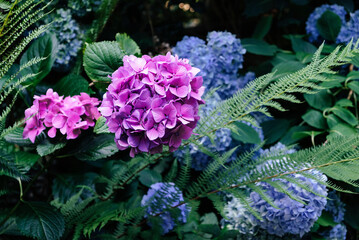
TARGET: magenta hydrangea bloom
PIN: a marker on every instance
(68, 115)
(152, 102)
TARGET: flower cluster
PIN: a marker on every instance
(152, 102)
(222, 142)
(311, 24)
(335, 207)
(69, 35)
(219, 60)
(162, 196)
(291, 217)
(69, 115)
(81, 8)
(350, 30)
(338, 232)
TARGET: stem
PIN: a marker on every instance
(7, 17)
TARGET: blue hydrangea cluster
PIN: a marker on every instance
(291, 217)
(338, 232)
(82, 7)
(350, 29)
(311, 24)
(219, 60)
(160, 197)
(335, 207)
(222, 142)
(68, 34)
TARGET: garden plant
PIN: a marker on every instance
(200, 119)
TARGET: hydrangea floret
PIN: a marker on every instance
(311, 24)
(152, 102)
(338, 232)
(69, 115)
(162, 196)
(335, 206)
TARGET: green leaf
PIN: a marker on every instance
(244, 133)
(353, 75)
(329, 25)
(345, 115)
(281, 57)
(326, 220)
(149, 177)
(303, 134)
(45, 46)
(288, 138)
(275, 129)
(72, 85)
(25, 160)
(40, 220)
(101, 126)
(209, 218)
(127, 45)
(46, 147)
(344, 103)
(354, 85)
(355, 59)
(299, 45)
(15, 136)
(101, 59)
(333, 120)
(315, 119)
(342, 130)
(258, 47)
(320, 100)
(99, 147)
(333, 81)
(263, 27)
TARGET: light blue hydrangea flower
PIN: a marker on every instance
(82, 7)
(350, 29)
(68, 34)
(311, 24)
(338, 232)
(160, 197)
(291, 217)
(335, 207)
(219, 60)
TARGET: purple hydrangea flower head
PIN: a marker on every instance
(335, 207)
(338, 232)
(219, 60)
(69, 115)
(162, 196)
(152, 102)
(350, 30)
(311, 24)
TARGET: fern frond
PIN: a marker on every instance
(184, 173)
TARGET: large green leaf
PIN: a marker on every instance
(275, 129)
(244, 133)
(315, 119)
(97, 148)
(127, 45)
(333, 120)
(46, 47)
(263, 27)
(354, 85)
(299, 45)
(258, 47)
(345, 115)
(329, 25)
(101, 59)
(320, 100)
(342, 130)
(72, 85)
(40, 220)
(25, 160)
(149, 177)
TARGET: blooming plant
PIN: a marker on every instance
(69, 115)
(235, 133)
(152, 102)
